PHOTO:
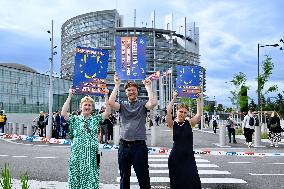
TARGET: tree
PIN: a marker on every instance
(267, 67)
(220, 108)
(239, 82)
(252, 105)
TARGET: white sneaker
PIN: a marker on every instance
(276, 146)
(271, 145)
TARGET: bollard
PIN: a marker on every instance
(10, 125)
(29, 129)
(257, 136)
(222, 135)
(21, 128)
(14, 128)
(263, 127)
(116, 134)
(153, 135)
(6, 128)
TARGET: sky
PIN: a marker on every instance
(229, 31)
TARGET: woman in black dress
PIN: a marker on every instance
(182, 166)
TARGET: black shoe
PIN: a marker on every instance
(235, 142)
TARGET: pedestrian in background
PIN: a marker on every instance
(275, 129)
(84, 159)
(103, 129)
(231, 127)
(182, 165)
(214, 124)
(132, 146)
(110, 124)
(40, 123)
(3, 120)
(248, 128)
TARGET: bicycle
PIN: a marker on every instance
(35, 130)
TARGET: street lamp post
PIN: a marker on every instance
(258, 73)
(50, 96)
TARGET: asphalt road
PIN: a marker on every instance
(50, 163)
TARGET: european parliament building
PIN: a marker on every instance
(165, 48)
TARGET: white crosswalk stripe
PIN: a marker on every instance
(158, 169)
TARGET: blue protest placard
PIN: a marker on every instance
(90, 71)
(131, 57)
(188, 81)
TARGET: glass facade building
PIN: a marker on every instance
(165, 48)
(24, 90)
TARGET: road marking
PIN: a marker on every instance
(19, 156)
(28, 144)
(256, 174)
(45, 157)
(167, 130)
(198, 165)
(166, 156)
(4, 155)
(41, 145)
(203, 180)
(239, 162)
(162, 160)
(277, 163)
(222, 180)
(200, 172)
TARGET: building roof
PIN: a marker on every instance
(18, 67)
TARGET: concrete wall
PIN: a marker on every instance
(21, 117)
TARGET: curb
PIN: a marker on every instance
(151, 150)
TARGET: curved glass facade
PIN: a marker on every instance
(27, 92)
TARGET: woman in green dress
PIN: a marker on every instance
(83, 130)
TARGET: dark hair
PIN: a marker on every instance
(130, 84)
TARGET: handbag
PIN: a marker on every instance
(99, 158)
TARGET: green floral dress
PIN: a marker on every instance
(83, 169)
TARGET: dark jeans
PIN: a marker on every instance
(136, 155)
(2, 125)
(104, 131)
(110, 132)
(248, 134)
(215, 128)
(232, 131)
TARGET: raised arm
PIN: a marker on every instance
(169, 115)
(195, 119)
(66, 105)
(114, 105)
(152, 100)
(107, 111)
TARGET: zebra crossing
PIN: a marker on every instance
(209, 173)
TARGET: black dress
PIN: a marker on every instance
(182, 166)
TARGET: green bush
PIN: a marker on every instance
(239, 131)
(264, 135)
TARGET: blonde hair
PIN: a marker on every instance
(274, 113)
(86, 99)
(182, 105)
